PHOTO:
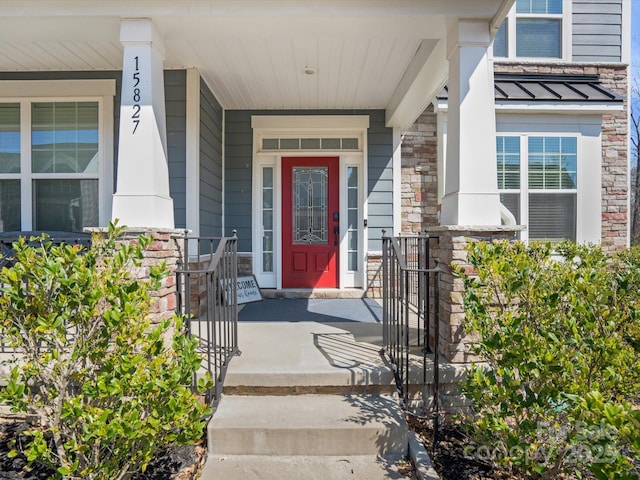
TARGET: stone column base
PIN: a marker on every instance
(167, 246)
(450, 249)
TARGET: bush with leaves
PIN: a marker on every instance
(559, 328)
(108, 386)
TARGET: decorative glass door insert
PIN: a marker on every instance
(310, 219)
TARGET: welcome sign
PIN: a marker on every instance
(247, 290)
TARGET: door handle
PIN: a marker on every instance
(336, 232)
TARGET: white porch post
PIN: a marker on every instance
(471, 194)
(142, 190)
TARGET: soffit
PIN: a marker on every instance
(252, 54)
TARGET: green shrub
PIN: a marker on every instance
(559, 328)
(108, 386)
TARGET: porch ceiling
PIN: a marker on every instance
(366, 53)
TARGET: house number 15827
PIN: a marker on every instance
(136, 97)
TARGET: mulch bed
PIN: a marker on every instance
(451, 463)
(449, 459)
(176, 463)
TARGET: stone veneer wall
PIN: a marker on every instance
(167, 246)
(374, 275)
(449, 250)
(614, 143)
(419, 194)
(245, 266)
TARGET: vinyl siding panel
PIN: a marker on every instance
(175, 91)
(210, 201)
(238, 172)
(237, 177)
(380, 173)
(597, 31)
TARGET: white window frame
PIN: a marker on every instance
(587, 131)
(311, 126)
(565, 34)
(28, 92)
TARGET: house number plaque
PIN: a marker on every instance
(136, 95)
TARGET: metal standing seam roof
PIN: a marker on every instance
(547, 88)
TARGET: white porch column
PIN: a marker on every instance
(142, 190)
(471, 192)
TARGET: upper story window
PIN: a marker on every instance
(534, 29)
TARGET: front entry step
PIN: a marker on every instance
(311, 425)
(260, 467)
(327, 293)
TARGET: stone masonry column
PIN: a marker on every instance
(448, 250)
(471, 190)
(142, 191)
(167, 246)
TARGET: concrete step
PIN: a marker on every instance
(308, 425)
(313, 293)
(241, 467)
(307, 357)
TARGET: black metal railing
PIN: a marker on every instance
(206, 285)
(57, 238)
(410, 310)
(7, 256)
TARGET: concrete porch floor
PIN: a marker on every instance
(310, 395)
(309, 344)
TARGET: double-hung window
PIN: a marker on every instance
(534, 29)
(56, 154)
(538, 183)
(50, 165)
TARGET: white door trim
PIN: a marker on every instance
(310, 126)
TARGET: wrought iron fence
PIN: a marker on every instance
(7, 255)
(206, 284)
(410, 313)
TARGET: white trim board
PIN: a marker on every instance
(307, 126)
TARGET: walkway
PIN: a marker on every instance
(310, 396)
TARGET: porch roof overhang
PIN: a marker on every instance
(358, 54)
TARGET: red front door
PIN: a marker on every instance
(310, 222)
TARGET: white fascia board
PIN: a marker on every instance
(309, 122)
(565, 108)
(141, 8)
(498, 18)
(538, 107)
(423, 79)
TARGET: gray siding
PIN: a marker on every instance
(597, 31)
(380, 173)
(210, 164)
(175, 91)
(175, 85)
(238, 172)
(238, 153)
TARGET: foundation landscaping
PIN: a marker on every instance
(557, 394)
(107, 388)
(107, 392)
